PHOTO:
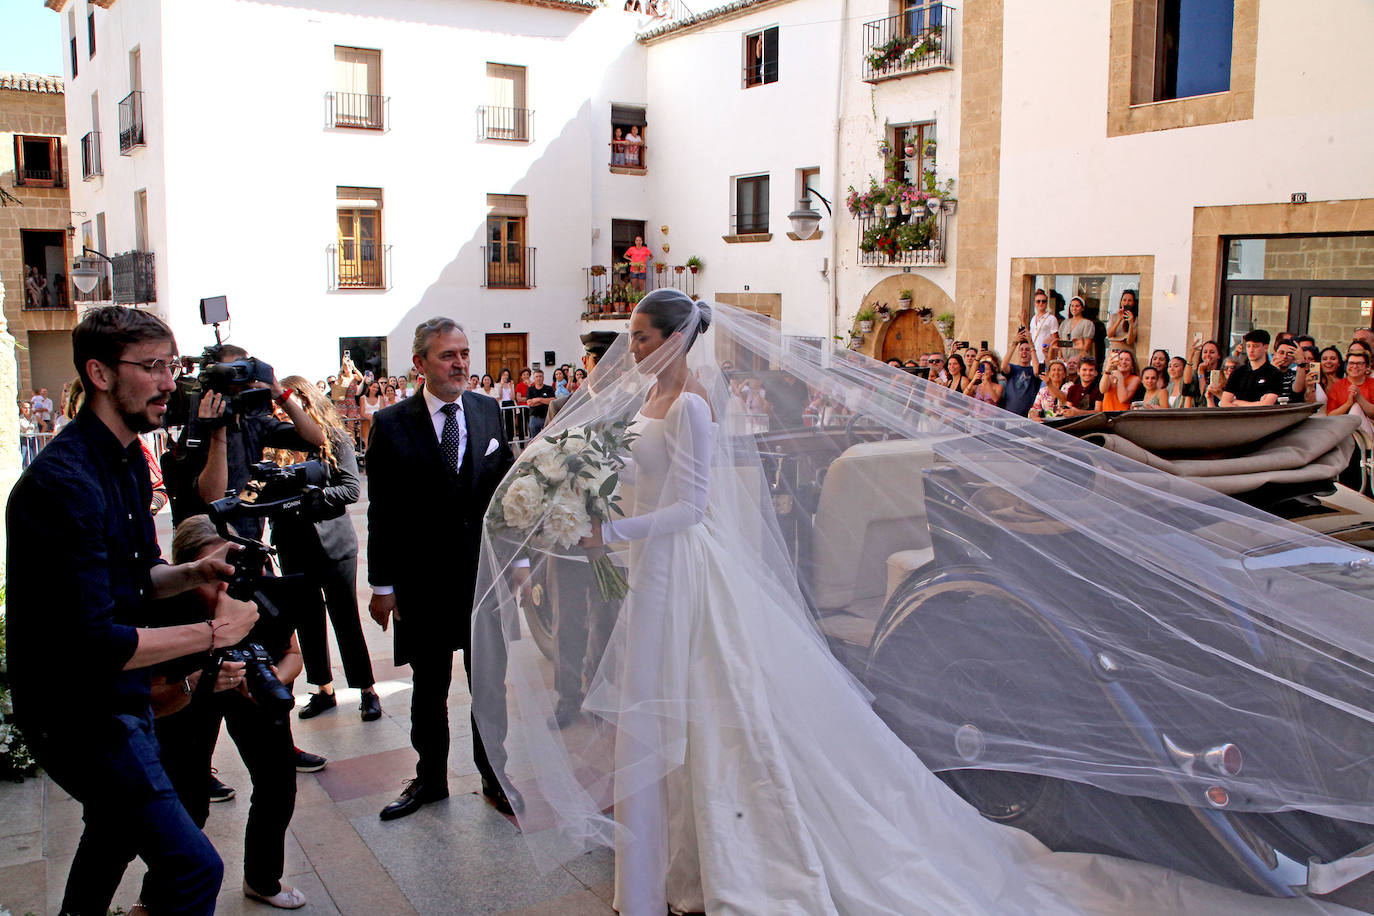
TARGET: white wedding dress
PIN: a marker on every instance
(752, 776)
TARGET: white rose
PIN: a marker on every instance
(522, 502)
(551, 465)
(567, 521)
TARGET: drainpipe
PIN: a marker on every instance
(834, 290)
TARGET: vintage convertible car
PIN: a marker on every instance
(919, 573)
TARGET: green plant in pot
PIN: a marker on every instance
(865, 318)
(694, 264)
(945, 322)
(904, 299)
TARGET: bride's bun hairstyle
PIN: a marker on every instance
(671, 311)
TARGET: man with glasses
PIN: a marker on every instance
(78, 656)
(1044, 327)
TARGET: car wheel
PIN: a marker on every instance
(541, 608)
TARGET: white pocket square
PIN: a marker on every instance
(491, 447)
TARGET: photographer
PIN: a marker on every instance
(189, 721)
(238, 442)
(78, 652)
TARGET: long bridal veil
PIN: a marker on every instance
(1023, 610)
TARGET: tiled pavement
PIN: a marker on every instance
(458, 856)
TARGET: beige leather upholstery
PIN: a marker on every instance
(872, 506)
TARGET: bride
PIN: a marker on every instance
(732, 763)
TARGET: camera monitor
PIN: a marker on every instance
(214, 310)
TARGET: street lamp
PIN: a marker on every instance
(86, 270)
(805, 219)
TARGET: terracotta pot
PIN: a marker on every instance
(693, 269)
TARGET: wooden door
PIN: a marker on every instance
(908, 337)
(507, 351)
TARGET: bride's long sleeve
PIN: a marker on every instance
(688, 440)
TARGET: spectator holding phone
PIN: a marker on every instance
(1051, 399)
(1120, 382)
(1176, 390)
(1286, 360)
(1078, 331)
(986, 385)
(1022, 369)
(1330, 367)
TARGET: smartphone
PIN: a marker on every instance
(983, 345)
(1214, 378)
(1064, 344)
(348, 354)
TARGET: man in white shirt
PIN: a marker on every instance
(1044, 327)
(42, 409)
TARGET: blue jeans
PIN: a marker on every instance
(130, 809)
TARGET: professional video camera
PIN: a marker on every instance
(271, 492)
(210, 372)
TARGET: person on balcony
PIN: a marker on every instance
(634, 147)
(618, 148)
(639, 257)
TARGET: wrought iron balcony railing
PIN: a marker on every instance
(913, 42)
(507, 267)
(90, 155)
(135, 278)
(497, 123)
(359, 265)
(612, 293)
(628, 154)
(131, 123)
(357, 110)
(916, 240)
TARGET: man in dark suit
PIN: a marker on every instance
(433, 462)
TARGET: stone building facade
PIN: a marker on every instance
(35, 240)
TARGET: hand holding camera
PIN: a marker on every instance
(233, 618)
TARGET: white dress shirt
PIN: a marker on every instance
(436, 416)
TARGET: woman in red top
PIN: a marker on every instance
(1356, 389)
(639, 257)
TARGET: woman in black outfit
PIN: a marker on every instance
(326, 551)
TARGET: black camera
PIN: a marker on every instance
(271, 492)
(231, 379)
(270, 693)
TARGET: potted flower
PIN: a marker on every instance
(945, 322)
(620, 267)
(598, 270)
(679, 268)
(884, 312)
(910, 150)
(618, 298)
(904, 299)
(694, 263)
(865, 318)
(660, 267)
(930, 148)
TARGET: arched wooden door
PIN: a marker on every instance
(908, 337)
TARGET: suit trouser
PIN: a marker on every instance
(130, 809)
(268, 751)
(431, 675)
(335, 589)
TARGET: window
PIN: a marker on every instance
(808, 180)
(1193, 48)
(627, 137)
(103, 290)
(38, 161)
(1101, 295)
(90, 30)
(71, 30)
(509, 262)
(914, 145)
(751, 205)
(761, 57)
(506, 115)
(357, 98)
(921, 16)
(141, 220)
(360, 247)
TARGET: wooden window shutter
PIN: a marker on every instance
(770, 55)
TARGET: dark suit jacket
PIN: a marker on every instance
(424, 529)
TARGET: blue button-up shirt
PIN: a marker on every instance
(81, 552)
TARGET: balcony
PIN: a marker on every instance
(628, 158)
(507, 267)
(913, 42)
(917, 240)
(359, 265)
(610, 293)
(135, 278)
(131, 123)
(90, 156)
(497, 123)
(356, 110)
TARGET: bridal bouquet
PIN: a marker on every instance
(560, 485)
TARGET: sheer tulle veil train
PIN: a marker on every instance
(722, 749)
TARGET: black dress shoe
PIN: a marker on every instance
(508, 803)
(317, 704)
(371, 707)
(412, 797)
(565, 713)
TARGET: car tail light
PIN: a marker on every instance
(1217, 797)
(1225, 759)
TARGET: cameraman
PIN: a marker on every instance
(239, 441)
(188, 724)
(78, 657)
